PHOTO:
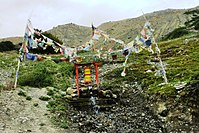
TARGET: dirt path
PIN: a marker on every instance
(18, 115)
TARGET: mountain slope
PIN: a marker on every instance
(163, 22)
(71, 34)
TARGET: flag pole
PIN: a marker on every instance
(158, 53)
(18, 65)
(17, 73)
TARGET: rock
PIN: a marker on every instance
(186, 41)
(63, 93)
(75, 118)
(2, 126)
(70, 91)
(69, 97)
(182, 93)
(143, 114)
(164, 113)
(114, 96)
(162, 110)
(180, 86)
(80, 124)
(149, 71)
(161, 107)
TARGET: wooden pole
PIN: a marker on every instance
(160, 60)
(17, 73)
(96, 74)
(124, 64)
(77, 79)
(164, 72)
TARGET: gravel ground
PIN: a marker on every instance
(18, 115)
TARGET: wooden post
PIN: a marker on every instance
(77, 79)
(124, 70)
(17, 74)
(96, 73)
(163, 69)
(160, 60)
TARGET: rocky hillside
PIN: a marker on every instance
(163, 22)
(71, 34)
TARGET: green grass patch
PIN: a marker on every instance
(163, 90)
(50, 92)
(8, 60)
(59, 106)
(44, 98)
(179, 32)
(181, 61)
(46, 73)
(1, 87)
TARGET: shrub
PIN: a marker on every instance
(22, 93)
(46, 73)
(196, 26)
(51, 104)
(176, 33)
(50, 92)
(49, 35)
(29, 98)
(62, 77)
(35, 104)
(194, 22)
(44, 98)
(39, 76)
(6, 46)
(64, 124)
(42, 124)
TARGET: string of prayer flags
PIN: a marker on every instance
(28, 37)
(148, 26)
(97, 34)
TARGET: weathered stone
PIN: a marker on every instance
(70, 91)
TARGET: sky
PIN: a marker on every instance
(46, 14)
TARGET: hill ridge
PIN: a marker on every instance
(163, 21)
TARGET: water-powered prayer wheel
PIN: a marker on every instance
(90, 85)
(87, 75)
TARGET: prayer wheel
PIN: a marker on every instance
(87, 75)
